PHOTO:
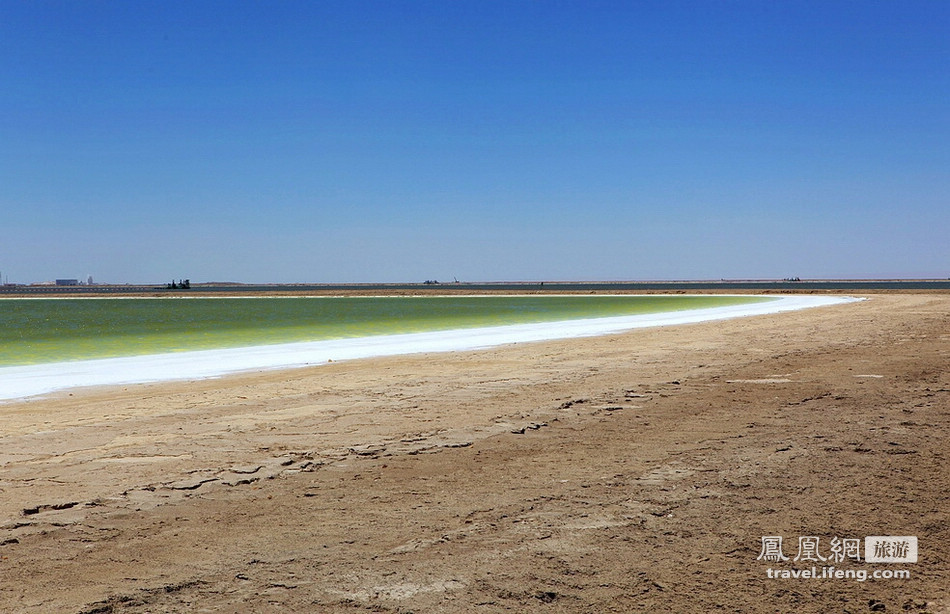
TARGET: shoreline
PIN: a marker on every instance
(722, 286)
(30, 381)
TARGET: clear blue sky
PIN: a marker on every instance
(369, 141)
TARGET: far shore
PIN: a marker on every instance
(809, 286)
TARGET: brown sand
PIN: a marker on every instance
(630, 473)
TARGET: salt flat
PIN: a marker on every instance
(635, 472)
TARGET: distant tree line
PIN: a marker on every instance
(184, 284)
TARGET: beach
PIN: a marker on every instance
(637, 471)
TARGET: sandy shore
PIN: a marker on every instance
(636, 472)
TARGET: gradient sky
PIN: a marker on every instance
(362, 141)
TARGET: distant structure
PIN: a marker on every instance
(89, 281)
(67, 282)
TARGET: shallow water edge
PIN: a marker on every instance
(33, 380)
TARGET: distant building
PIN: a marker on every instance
(67, 282)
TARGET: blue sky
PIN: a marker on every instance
(402, 141)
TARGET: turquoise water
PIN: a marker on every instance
(34, 331)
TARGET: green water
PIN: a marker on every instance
(36, 331)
